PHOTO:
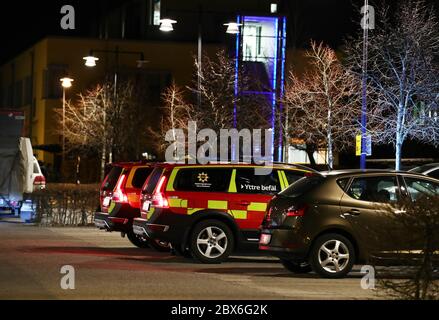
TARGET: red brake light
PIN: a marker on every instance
(39, 180)
(296, 212)
(119, 194)
(158, 199)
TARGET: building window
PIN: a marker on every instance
(155, 12)
(52, 87)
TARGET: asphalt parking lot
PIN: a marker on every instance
(107, 266)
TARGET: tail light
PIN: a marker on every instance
(39, 180)
(158, 198)
(119, 194)
(296, 211)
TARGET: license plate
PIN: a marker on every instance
(265, 239)
(106, 201)
(146, 205)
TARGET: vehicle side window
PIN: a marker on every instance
(434, 174)
(343, 183)
(293, 176)
(419, 187)
(140, 176)
(248, 182)
(374, 189)
(203, 179)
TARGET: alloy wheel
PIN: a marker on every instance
(212, 242)
(333, 256)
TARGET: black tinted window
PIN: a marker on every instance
(112, 178)
(434, 174)
(293, 176)
(203, 179)
(140, 176)
(302, 186)
(419, 187)
(153, 179)
(343, 183)
(248, 182)
(374, 189)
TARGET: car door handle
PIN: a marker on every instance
(244, 203)
(353, 212)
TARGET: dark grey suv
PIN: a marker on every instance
(326, 223)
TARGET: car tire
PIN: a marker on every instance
(211, 241)
(137, 240)
(296, 267)
(160, 246)
(332, 256)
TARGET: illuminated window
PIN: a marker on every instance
(155, 10)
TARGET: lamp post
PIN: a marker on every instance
(364, 92)
(66, 83)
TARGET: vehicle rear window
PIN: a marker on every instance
(302, 186)
(293, 176)
(203, 179)
(112, 178)
(248, 182)
(152, 181)
(140, 177)
(36, 168)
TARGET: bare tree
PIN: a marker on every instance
(100, 123)
(323, 106)
(402, 69)
(176, 114)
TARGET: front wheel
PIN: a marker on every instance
(332, 256)
(296, 267)
(211, 241)
(137, 240)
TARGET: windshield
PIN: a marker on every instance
(302, 186)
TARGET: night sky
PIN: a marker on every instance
(24, 23)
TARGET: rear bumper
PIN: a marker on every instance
(104, 221)
(284, 243)
(145, 229)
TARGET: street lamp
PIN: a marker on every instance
(232, 27)
(66, 83)
(90, 61)
(166, 25)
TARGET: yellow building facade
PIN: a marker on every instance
(31, 81)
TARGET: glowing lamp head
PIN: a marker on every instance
(232, 27)
(90, 61)
(66, 82)
(166, 25)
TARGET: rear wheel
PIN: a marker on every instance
(332, 256)
(211, 241)
(296, 267)
(137, 240)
